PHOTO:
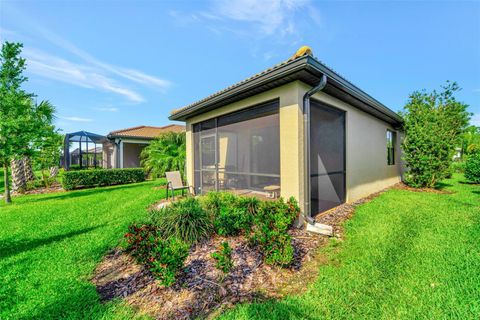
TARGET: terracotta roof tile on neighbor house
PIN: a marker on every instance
(145, 132)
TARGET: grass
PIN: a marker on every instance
(407, 255)
(50, 245)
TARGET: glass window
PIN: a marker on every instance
(390, 147)
(242, 153)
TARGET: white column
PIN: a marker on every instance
(121, 154)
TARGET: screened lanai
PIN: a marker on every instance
(239, 152)
(87, 157)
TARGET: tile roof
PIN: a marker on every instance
(173, 112)
(146, 132)
(303, 66)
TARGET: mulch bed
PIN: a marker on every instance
(202, 290)
(55, 187)
(403, 186)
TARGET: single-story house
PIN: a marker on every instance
(297, 129)
(123, 148)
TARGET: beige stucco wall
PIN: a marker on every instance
(366, 163)
(366, 152)
(290, 134)
(131, 154)
(108, 152)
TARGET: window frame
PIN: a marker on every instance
(391, 137)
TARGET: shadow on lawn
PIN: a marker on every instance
(83, 193)
(442, 185)
(13, 247)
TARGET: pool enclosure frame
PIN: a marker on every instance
(81, 137)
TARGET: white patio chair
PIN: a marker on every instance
(174, 182)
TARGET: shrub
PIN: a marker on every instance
(270, 230)
(472, 168)
(458, 167)
(163, 257)
(165, 153)
(232, 221)
(223, 257)
(185, 219)
(232, 214)
(433, 124)
(100, 177)
(214, 201)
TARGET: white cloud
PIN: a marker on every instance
(102, 74)
(107, 109)
(270, 16)
(52, 67)
(76, 119)
(130, 74)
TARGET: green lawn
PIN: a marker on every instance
(50, 245)
(407, 255)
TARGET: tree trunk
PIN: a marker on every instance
(8, 199)
(53, 172)
(27, 167)
(19, 183)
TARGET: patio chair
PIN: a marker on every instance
(174, 182)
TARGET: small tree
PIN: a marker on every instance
(22, 122)
(13, 102)
(48, 154)
(433, 125)
(165, 153)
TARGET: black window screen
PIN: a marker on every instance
(239, 151)
(327, 157)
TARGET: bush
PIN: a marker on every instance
(231, 214)
(472, 168)
(433, 124)
(270, 230)
(223, 257)
(100, 177)
(185, 219)
(214, 201)
(163, 257)
(458, 167)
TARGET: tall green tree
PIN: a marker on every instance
(433, 124)
(165, 153)
(22, 121)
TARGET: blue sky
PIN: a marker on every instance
(108, 65)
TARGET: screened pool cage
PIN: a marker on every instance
(84, 155)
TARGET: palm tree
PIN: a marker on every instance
(40, 126)
(165, 153)
(19, 181)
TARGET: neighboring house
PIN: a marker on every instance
(90, 158)
(124, 146)
(251, 137)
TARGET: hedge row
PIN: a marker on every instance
(100, 177)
